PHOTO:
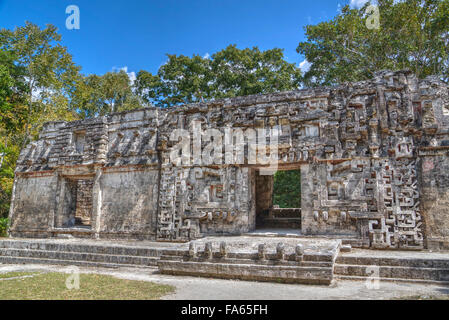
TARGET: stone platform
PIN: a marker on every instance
(255, 258)
(258, 258)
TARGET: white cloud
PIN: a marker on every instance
(357, 3)
(305, 66)
(206, 56)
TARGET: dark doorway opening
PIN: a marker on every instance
(83, 211)
(77, 204)
(278, 200)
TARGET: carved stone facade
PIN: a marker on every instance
(373, 157)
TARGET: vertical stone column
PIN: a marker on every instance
(54, 212)
(58, 217)
(11, 208)
(306, 198)
(96, 203)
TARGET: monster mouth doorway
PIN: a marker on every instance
(278, 200)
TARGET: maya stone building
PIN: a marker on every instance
(373, 157)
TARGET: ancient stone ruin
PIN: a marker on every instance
(373, 157)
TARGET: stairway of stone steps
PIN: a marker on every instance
(282, 223)
(282, 219)
(405, 268)
(32, 252)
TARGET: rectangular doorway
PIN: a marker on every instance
(77, 204)
(83, 210)
(278, 200)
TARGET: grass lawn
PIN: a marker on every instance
(52, 286)
(14, 275)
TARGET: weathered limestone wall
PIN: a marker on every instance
(435, 200)
(33, 204)
(373, 157)
(105, 168)
(196, 201)
(333, 217)
(433, 159)
(359, 141)
(129, 203)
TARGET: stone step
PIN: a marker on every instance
(393, 261)
(308, 257)
(338, 277)
(319, 264)
(286, 213)
(251, 272)
(394, 272)
(319, 257)
(281, 223)
(82, 248)
(79, 256)
(27, 260)
(355, 243)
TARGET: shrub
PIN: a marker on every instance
(4, 224)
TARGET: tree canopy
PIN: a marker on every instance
(12, 115)
(100, 95)
(228, 73)
(37, 77)
(48, 70)
(413, 34)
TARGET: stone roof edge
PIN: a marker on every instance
(243, 101)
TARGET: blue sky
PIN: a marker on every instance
(137, 34)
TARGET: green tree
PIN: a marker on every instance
(413, 34)
(184, 80)
(228, 73)
(251, 71)
(11, 122)
(99, 95)
(287, 189)
(37, 76)
(149, 87)
(88, 98)
(6, 84)
(117, 91)
(48, 69)
(12, 90)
